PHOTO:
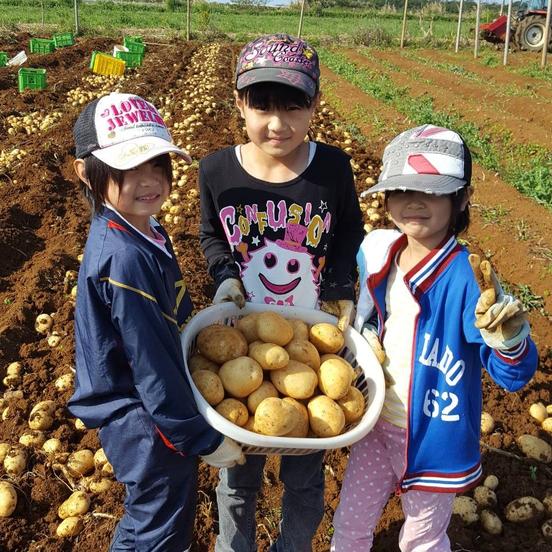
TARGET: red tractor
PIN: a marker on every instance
(526, 29)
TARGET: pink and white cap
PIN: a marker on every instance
(123, 131)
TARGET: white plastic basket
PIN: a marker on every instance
(357, 352)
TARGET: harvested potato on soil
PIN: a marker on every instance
(275, 417)
(490, 522)
(326, 337)
(526, 508)
(485, 497)
(53, 445)
(325, 416)
(353, 405)
(466, 508)
(269, 355)
(536, 448)
(81, 462)
(547, 529)
(33, 438)
(296, 380)
(76, 505)
(220, 343)
(15, 461)
(70, 527)
(487, 423)
(538, 412)
(199, 362)
(301, 428)
(241, 376)
(273, 328)
(248, 327)
(8, 499)
(335, 378)
(491, 482)
(234, 411)
(209, 385)
(265, 390)
(304, 351)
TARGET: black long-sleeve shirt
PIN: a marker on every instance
(290, 243)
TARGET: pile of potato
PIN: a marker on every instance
(277, 376)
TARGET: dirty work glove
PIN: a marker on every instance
(228, 454)
(501, 318)
(343, 309)
(231, 289)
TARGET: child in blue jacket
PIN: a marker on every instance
(420, 298)
(132, 304)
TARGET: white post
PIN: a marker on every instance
(501, 7)
(508, 26)
(42, 13)
(76, 17)
(457, 46)
(546, 34)
(477, 21)
(188, 17)
(403, 30)
(301, 19)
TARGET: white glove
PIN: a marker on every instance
(344, 309)
(231, 289)
(228, 454)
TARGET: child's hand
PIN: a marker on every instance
(228, 454)
(500, 317)
(343, 309)
(231, 289)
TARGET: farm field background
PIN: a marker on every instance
(370, 95)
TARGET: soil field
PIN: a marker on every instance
(43, 225)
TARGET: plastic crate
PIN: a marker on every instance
(135, 47)
(61, 40)
(370, 381)
(41, 46)
(34, 79)
(104, 64)
(134, 38)
(131, 59)
(3, 59)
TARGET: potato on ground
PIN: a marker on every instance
(241, 376)
(325, 416)
(301, 428)
(70, 527)
(335, 378)
(526, 508)
(304, 351)
(300, 328)
(76, 505)
(273, 328)
(209, 385)
(248, 326)
(353, 405)
(199, 362)
(269, 355)
(326, 337)
(296, 380)
(265, 390)
(220, 343)
(275, 417)
(8, 499)
(234, 411)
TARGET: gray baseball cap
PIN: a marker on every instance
(428, 159)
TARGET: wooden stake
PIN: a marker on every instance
(477, 22)
(546, 34)
(508, 27)
(403, 30)
(301, 19)
(457, 46)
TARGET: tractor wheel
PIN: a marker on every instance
(530, 33)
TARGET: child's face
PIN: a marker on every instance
(422, 217)
(142, 193)
(277, 132)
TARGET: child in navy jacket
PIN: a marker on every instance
(132, 304)
(420, 298)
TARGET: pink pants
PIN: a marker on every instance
(375, 467)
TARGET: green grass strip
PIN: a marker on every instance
(526, 167)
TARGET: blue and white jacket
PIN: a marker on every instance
(132, 304)
(445, 396)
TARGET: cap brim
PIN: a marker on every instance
(128, 155)
(435, 184)
(289, 77)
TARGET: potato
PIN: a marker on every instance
(252, 345)
(273, 328)
(8, 499)
(100, 459)
(41, 419)
(4, 448)
(15, 461)
(538, 412)
(296, 380)
(46, 406)
(234, 411)
(490, 522)
(80, 462)
(33, 438)
(220, 343)
(536, 448)
(52, 446)
(325, 417)
(248, 327)
(199, 362)
(547, 425)
(327, 338)
(79, 424)
(301, 428)
(241, 376)
(265, 390)
(209, 385)
(98, 486)
(14, 369)
(487, 423)
(335, 378)
(352, 404)
(250, 424)
(275, 417)
(526, 508)
(466, 508)
(328, 356)
(300, 329)
(107, 470)
(547, 501)
(70, 527)
(491, 482)
(304, 351)
(43, 323)
(270, 356)
(76, 505)
(485, 497)
(65, 382)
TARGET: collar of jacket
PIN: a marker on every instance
(421, 277)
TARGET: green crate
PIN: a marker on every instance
(3, 59)
(63, 39)
(135, 38)
(35, 79)
(130, 58)
(135, 47)
(41, 46)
